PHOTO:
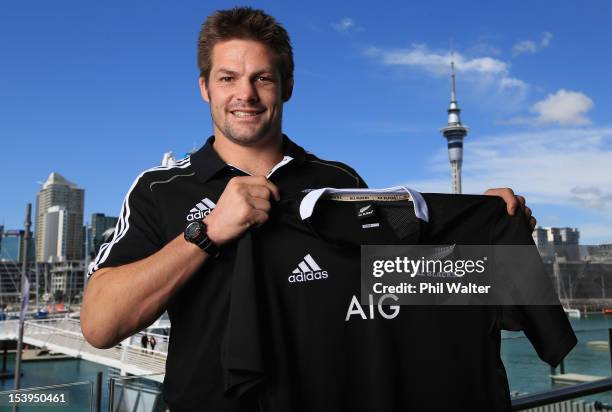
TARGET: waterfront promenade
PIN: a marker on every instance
(64, 336)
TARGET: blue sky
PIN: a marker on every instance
(98, 92)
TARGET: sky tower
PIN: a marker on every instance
(454, 133)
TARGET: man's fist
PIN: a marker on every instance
(244, 202)
(513, 203)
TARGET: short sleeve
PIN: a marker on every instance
(546, 326)
(137, 234)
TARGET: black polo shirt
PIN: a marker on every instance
(156, 209)
(291, 334)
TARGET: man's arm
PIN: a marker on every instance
(123, 300)
(513, 203)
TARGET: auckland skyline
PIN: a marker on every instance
(98, 93)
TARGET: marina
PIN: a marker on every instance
(371, 95)
(585, 363)
(527, 374)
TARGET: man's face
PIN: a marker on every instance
(244, 92)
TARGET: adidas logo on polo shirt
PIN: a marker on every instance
(307, 270)
(201, 210)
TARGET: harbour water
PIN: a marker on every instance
(54, 372)
(526, 372)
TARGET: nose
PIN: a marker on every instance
(247, 92)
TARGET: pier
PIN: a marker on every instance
(64, 336)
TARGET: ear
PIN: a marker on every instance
(287, 90)
(204, 89)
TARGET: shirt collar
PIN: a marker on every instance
(309, 201)
(207, 162)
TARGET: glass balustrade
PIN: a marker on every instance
(136, 394)
(77, 397)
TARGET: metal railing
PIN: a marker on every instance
(559, 395)
(135, 393)
(555, 399)
(65, 336)
(74, 396)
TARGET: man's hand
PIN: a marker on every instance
(513, 203)
(244, 202)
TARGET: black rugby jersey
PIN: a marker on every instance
(157, 207)
(290, 334)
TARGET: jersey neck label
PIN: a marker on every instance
(350, 197)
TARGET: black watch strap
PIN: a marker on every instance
(208, 246)
(195, 233)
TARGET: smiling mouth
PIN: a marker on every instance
(246, 114)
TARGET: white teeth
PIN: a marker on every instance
(244, 114)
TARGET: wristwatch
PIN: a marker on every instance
(195, 233)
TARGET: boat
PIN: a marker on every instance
(572, 312)
(569, 311)
(607, 311)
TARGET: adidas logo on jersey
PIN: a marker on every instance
(307, 270)
(201, 210)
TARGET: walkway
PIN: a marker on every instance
(65, 336)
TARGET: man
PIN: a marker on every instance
(173, 246)
(144, 340)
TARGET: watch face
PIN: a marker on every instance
(193, 231)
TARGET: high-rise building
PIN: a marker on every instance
(11, 246)
(599, 253)
(55, 234)
(65, 221)
(67, 277)
(100, 223)
(562, 242)
(454, 133)
(1, 239)
(10, 281)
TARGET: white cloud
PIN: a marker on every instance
(564, 167)
(345, 25)
(485, 48)
(565, 107)
(556, 164)
(546, 38)
(486, 73)
(511, 82)
(591, 197)
(438, 63)
(532, 46)
(526, 46)
(596, 232)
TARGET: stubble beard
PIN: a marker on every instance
(246, 137)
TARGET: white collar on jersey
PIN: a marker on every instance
(309, 201)
(277, 166)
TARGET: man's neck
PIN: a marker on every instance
(257, 160)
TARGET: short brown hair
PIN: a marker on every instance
(245, 23)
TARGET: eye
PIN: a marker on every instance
(226, 79)
(265, 79)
